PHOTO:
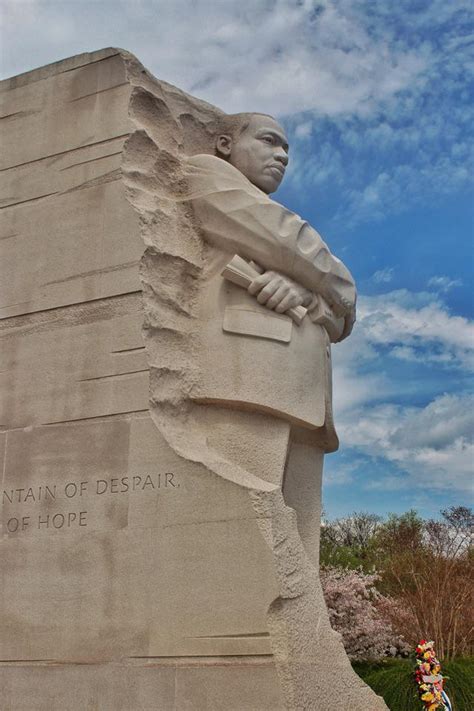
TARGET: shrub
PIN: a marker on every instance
(426, 573)
(428, 566)
(356, 610)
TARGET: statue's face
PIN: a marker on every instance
(261, 153)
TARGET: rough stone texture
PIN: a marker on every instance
(150, 557)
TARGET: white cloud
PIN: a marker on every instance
(416, 148)
(431, 445)
(402, 325)
(342, 475)
(410, 354)
(402, 318)
(303, 129)
(277, 56)
(446, 419)
(388, 483)
(383, 276)
(351, 389)
(443, 283)
(399, 187)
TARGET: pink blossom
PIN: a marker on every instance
(358, 612)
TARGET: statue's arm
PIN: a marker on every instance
(331, 278)
(259, 229)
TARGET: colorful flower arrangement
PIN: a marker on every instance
(429, 678)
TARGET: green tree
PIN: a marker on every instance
(425, 568)
(428, 567)
(349, 542)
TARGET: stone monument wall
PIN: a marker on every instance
(114, 593)
(134, 576)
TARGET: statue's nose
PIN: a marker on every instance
(282, 156)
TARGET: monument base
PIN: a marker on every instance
(197, 684)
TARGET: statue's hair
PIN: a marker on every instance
(234, 125)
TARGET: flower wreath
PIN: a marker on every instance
(429, 678)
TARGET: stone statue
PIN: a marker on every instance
(256, 145)
(240, 378)
(283, 369)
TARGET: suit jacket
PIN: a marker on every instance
(250, 357)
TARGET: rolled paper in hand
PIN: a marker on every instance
(241, 273)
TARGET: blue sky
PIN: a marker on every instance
(377, 100)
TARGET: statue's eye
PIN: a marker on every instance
(268, 139)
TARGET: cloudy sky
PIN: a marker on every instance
(377, 99)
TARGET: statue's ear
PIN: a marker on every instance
(224, 145)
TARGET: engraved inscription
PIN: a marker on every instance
(39, 493)
(56, 501)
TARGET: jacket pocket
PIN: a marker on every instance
(246, 321)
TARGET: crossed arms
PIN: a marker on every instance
(239, 218)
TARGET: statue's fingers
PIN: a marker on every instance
(278, 297)
(259, 282)
(289, 301)
(267, 292)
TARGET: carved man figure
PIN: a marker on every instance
(261, 364)
(240, 389)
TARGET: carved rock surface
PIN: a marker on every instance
(149, 557)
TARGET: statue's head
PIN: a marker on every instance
(256, 145)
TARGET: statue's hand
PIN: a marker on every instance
(279, 292)
(349, 322)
